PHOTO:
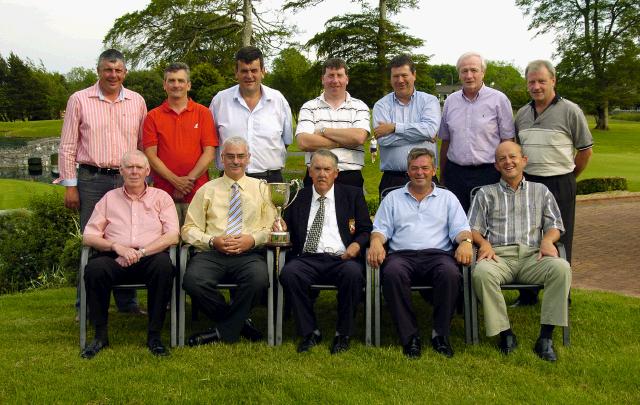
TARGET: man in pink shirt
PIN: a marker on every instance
(131, 227)
(101, 123)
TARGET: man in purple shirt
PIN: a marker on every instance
(475, 120)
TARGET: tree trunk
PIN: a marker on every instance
(247, 29)
(381, 52)
(602, 117)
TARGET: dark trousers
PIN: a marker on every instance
(427, 267)
(460, 180)
(394, 179)
(102, 272)
(271, 176)
(563, 188)
(91, 188)
(300, 273)
(348, 177)
(208, 269)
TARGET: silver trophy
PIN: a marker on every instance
(280, 194)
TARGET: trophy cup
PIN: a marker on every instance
(280, 194)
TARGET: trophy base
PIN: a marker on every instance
(279, 239)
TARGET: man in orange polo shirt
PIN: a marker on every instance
(179, 139)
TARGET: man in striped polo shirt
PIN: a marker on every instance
(101, 124)
(335, 121)
(515, 224)
(555, 136)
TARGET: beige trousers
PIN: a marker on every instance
(519, 264)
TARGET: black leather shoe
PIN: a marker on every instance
(308, 342)
(526, 298)
(157, 348)
(204, 338)
(413, 349)
(340, 344)
(250, 332)
(441, 345)
(93, 348)
(508, 344)
(544, 349)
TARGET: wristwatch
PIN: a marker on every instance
(211, 244)
(467, 240)
(143, 251)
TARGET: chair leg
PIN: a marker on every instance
(566, 331)
(367, 306)
(84, 258)
(280, 303)
(270, 336)
(468, 338)
(184, 256)
(376, 304)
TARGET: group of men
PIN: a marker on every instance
(419, 234)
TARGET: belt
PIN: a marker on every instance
(480, 166)
(102, 170)
(395, 173)
(266, 172)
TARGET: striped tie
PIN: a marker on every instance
(313, 238)
(234, 221)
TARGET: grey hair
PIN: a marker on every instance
(131, 153)
(111, 55)
(536, 65)
(235, 140)
(418, 152)
(176, 67)
(328, 154)
(466, 55)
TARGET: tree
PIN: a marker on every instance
(79, 78)
(194, 31)
(149, 84)
(595, 37)
(506, 78)
(444, 74)
(206, 82)
(292, 74)
(5, 102)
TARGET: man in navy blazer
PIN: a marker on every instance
(329, 226)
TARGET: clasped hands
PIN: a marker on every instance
(126, 255)
(233, 244)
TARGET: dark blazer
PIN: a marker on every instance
(350, 205)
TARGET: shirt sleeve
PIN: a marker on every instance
(477, 213)
(168, 214)
(69, 140)
(424, 129)
(306, 122)
(149, 132)
(383, 220)
(551, 217)
(143, 114)
(98, 220)
(582, 138)
(443, 132)
(363, 117)
(506, 125)
(195, 222)
(287, 133)
(457, 218)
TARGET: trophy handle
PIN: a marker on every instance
(298, 187)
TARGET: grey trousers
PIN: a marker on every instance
(519, 263)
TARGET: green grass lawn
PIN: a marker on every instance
(41, 363)
(16, 193)
(31, 129)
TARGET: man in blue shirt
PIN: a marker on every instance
(403, 120)
(421, 223)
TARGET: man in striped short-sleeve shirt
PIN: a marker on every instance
(335, 121)
(515, 224)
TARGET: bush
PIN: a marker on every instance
(598, 185)
(372, 205)
(31, 242)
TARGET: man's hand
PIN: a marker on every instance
(485, 251)
(72, 198)
(126, 255)
(464, 252)
(235, 245)
(376, 254)
(547, 248)
(353, 250)
(279, 225)
(184, 184)
(384, 129)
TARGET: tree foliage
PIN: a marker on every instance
(149, 84)
(193, 31)
(508, 79)
(597, 39)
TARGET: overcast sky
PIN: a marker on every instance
(68, 33)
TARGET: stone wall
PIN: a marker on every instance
(39, 148)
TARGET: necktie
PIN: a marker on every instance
(313, 238)
(234, 220)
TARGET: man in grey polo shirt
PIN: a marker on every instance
(555, 136)
(475, 120)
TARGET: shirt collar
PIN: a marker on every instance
(329, 194)
(98, 93)
(264, 93)
(480, 92)
(506, 187)
(242, 181)
(435, 192)
(132, 198)
(395, 99)
(532, 103)
(346, 99)
(166, 108)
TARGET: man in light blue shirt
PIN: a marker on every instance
(421, 223)
(403, 120)
(257, 113)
